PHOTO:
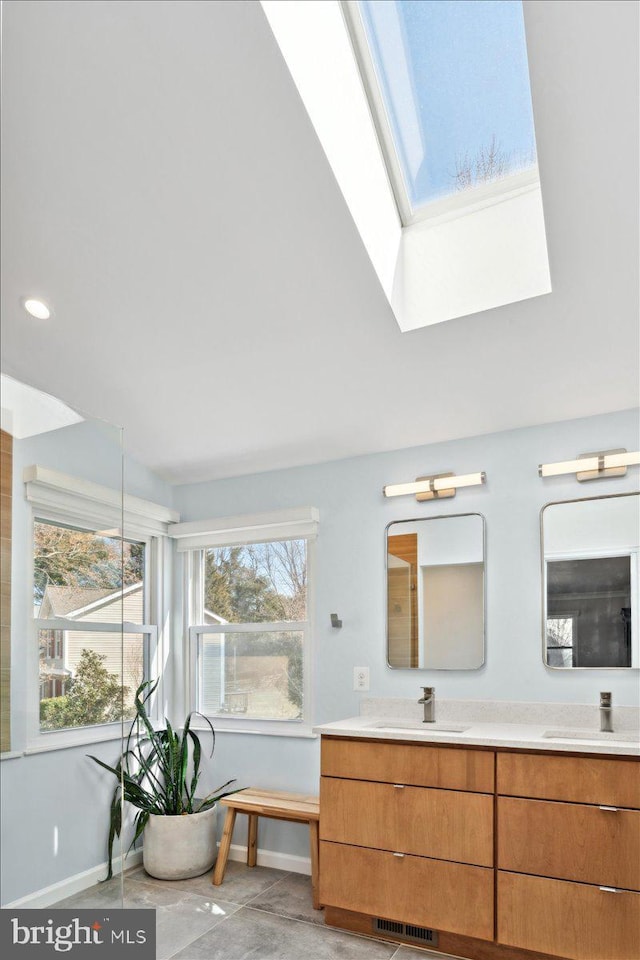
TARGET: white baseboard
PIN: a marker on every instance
(271, 858)
(47, 896)
(72, 885)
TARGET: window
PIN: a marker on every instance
(249, 579)
(100, 607)
(561, 641)
(450, 93)
(85, 583)
(423, 108)
(251, 639)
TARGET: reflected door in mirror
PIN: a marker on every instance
(435, 593)
(402, 597)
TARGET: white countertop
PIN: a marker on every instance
(524, 736)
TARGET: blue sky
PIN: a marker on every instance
(471, 84)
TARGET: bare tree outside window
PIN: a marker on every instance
(561, 641)
(257, 583)
(491, 162)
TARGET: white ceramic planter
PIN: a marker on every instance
(176, 848)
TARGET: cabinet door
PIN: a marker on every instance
(570, 841)
(416, 890)
(445, 824)
(570, 920)
(421, 765)
(575, 779)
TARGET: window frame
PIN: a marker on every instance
(373, 95)
(403, 256)
(38, 739)
(198, 630)
(60, 499)
(149, 634)
(445, 208)
(193, 605)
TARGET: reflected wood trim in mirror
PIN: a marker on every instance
(6, 475)
(436, 592)
(590, 568)
(402, 606)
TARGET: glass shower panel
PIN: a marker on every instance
(63, 663)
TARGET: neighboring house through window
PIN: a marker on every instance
(97, 597)
(88, 583)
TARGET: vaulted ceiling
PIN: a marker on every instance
(165, 192)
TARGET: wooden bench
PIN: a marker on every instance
(278, 805)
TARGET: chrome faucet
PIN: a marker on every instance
(605, 713)
(429, 701)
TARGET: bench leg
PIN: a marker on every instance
(252, 841)
(313, 842)
(225, 846)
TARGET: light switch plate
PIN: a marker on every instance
(361, 678)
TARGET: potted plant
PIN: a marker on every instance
(158, 773)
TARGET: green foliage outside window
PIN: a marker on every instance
(261, 583)
(93, 696)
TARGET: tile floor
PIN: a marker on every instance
(257, 914)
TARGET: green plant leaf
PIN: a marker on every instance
(153, 771)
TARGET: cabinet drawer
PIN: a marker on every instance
(416, 764)
(569, 919)
(445, 824)
(427, 893)
(576, 779)
(569, 841)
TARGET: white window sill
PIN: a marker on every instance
(44, 745)
(11, 755)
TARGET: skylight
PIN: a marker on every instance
(424, 112)
(448, 84)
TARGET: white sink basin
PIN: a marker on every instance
(418, 725)
(622, 737)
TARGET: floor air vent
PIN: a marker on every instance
(407, 931)
(423, 934)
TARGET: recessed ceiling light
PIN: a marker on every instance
(37, 309)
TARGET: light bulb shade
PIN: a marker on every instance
(593, 466)
(434, 486)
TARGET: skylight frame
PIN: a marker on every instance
(484, 246)
(373, 94)
(445, 207)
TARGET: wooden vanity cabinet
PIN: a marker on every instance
(495, 854)
(406, 834)
(568, 842)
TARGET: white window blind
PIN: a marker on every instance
(290, 524)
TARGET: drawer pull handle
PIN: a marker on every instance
(398, 786)
(610, 890)
(398, 854)
(610, 809)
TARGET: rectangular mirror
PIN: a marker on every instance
(590, 552)
(435, 593)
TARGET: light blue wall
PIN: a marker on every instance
(350, 580)
(64, 790)
(55, 805)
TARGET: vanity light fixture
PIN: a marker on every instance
(593, 466)
(37, 308)
(434, 487)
